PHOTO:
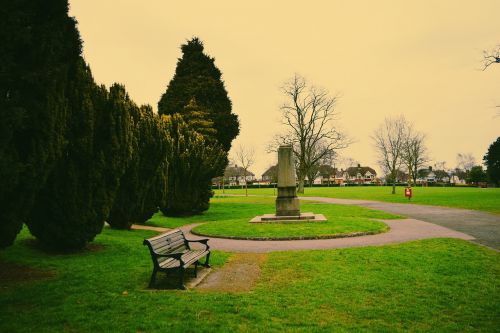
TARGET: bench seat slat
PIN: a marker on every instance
(188, 258)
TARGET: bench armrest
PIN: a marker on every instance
(204, 241)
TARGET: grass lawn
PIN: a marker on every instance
(431, 285)
(484, 199)
(230, 216)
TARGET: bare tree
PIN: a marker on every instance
(348, 162)
(309, 115)
(491, 57)
(246, 158)
(414, 152)
(389, 140)
(465, 162)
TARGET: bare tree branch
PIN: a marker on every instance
(414, 152)
(389, 141)
(309, 113)
(491, 57)
(246, 158)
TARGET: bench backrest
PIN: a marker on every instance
(169, 242)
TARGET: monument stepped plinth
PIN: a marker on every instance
(287, 203)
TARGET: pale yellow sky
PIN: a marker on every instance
(417, 58)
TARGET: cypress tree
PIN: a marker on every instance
(196, 76)
(192, 162)
(39, 44)
(142, 187)
(77, 198)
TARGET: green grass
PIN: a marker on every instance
(483, 199)
(433, 285)
(230, 216)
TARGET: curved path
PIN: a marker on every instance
(423, 222)
(401, 231)
(484, 227)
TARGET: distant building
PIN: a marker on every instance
(270, 176)
(329, 175)
(360, 175)
(428, 176)
(236, 175)
(233, 176)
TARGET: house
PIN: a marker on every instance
(270, 176)
(236, 175)
(426, 176)
(360, 175)
(329, 175)
(233, 176)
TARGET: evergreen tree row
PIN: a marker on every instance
(74, 154)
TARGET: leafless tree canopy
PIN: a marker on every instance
(465, 161)
(491, 57)
(309, 114)
(390, 140)
(414, 152)
(246, 158)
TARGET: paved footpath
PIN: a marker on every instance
(401, 231)
(423, 222)
(484, 227)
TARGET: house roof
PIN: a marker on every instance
(272, 171)
(353, 171)
(235, 171)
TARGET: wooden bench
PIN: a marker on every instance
(171, 251)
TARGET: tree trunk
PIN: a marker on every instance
(301, 185)
(246, 185)
(393, 173)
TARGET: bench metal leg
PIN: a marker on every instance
(196, 269)
(206, 261)
(152, 281)
(181, 278)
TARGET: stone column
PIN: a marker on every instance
(287, 203)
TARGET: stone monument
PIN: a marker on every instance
(287, 203)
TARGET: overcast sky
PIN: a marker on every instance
(385, 58)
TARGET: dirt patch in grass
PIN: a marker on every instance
(239, 274)
(11, 273)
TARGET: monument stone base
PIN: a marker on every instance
(287, 206)
(302, 218)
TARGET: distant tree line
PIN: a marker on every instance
(74, 154)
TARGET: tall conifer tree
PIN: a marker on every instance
(77, 198)
(192, 162)
(196, 76)
(142, 187)
(39, 45)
